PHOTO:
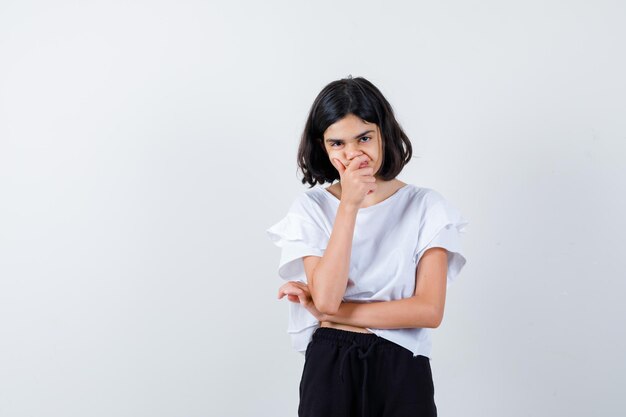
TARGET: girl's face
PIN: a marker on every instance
(350, 137)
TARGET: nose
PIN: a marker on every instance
(352, 153)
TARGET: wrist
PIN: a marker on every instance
(347, 207)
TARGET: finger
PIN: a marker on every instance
(366, 172)
(339, 166)
(302, 298)
(290, 291)
(283, 290)
(363, 161)
(293, 291)
(303, 287)
(357, 162)
(365, 168)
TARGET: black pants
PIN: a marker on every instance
(350, 374)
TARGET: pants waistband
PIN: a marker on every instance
(339, 335)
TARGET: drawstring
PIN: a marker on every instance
(363, 356)
(343, 358)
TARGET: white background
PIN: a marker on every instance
(146, 146)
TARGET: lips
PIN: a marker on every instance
(362, 164)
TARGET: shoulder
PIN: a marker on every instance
(424, 197)
(432, 206)
(308, 203)
(439, 211)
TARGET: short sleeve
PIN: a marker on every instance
(297, 236)
(442, 226)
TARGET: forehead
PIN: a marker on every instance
(348, 127)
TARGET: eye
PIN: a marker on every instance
(332, 144)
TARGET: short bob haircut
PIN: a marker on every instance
(346, 96)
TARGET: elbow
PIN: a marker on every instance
(436, 318)
(431, 317)
(429, 314)
(327, 307)
(324, 304)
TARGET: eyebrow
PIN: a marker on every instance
(356, 137)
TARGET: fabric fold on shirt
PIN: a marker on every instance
(301, 327)
(297, 237)
(441, 227)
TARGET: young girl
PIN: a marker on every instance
(367, 262)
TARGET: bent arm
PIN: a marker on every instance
(396, 314)
(423, 309)
(329, 279)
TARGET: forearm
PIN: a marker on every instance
(330, 277)
(410, 312)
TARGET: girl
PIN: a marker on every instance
(367, 262)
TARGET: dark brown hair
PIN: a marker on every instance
(346, 96)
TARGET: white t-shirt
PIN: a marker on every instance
(389, 239)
